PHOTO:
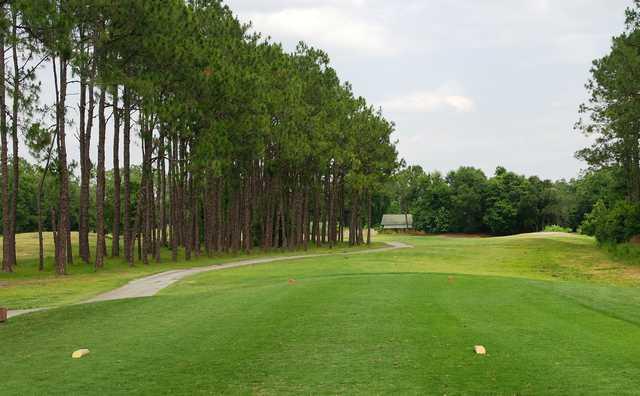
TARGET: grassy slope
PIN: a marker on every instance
(29, 288)
(403, 321)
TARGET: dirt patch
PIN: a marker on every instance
(635, 240)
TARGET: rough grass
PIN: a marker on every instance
(402, 322)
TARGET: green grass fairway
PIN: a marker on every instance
(557, 315)
(29, 288)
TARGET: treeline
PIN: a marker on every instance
(467, 201)
(612, 117)
(243, 144)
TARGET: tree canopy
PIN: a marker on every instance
(244, 144)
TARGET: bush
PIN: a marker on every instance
(501, 218)
(590, 222)
(556, 228)
(616, 225)
(432, 222)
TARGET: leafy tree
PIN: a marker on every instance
(468, 196)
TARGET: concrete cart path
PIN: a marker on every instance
(151, 285)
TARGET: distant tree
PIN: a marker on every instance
(468, 195)
(433, 205)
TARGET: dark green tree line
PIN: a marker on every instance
(243, 145)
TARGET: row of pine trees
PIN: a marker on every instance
(243, 145)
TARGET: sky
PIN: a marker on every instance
(481, 83)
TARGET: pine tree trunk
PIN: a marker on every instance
(100, 182)
(267, 239)
(246, 216)
(137, 225)
(189, 220)
(369, 219)
(317, 217)
(115, 244)
(162, 185)
(174, 197)
(195, 203)
(85, 165)
(7, 261)
(54, 232)
(146, 187)
(63, 224)
(128, 249)
(83, 218)
(39, 203)
(69, 249)
(14, 136)
(332, 213)
(305, 220)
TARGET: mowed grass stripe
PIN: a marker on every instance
(394, 322)
(370, 333)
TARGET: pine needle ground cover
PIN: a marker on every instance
(556, 314)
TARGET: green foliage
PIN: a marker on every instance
(611, 113)
(618, 224)
(556, 228)
(468, 198)
(431, 213)
(590, 223)
(466, 201)
(501, 217)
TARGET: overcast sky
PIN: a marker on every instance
(468, 82)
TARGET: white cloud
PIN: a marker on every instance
(330, 27)
(539, 6)
(441, 99)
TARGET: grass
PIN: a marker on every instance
(29, 288)
(627, 252)
(557, 315)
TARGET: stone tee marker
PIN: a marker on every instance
(80, 353)
(480, 350)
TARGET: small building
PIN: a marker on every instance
(397, 222)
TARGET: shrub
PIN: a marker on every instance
(619, 224)
(501, 218)
(556, 228)
(590, 222)
(432, 222)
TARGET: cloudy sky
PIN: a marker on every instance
(468, 82)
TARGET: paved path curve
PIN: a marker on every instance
(151, 285)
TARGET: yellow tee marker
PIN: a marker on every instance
(80, 353)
